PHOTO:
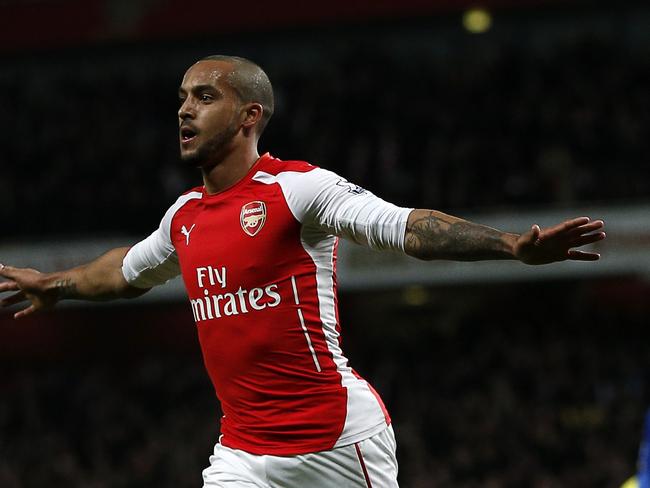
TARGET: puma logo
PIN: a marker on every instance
(186, 233)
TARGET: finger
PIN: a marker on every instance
(573, 223)
(9, 286)
(12, 272)
(587, 228)
(13, 299)
(572, 228)
(535, 231)
(588, 239)
(25, 312)
(6, 271)
(577, 255)
(564, 227)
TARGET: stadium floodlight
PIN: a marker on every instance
(477, 20)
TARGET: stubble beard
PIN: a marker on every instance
(212, 152)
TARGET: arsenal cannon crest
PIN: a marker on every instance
(252, 217)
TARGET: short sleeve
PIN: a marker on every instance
(324, 199)
(153, 261)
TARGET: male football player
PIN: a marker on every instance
(256, 247)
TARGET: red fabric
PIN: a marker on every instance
(363, 466)
(273, 398)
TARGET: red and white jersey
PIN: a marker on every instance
(259, 264)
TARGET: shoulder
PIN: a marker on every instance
(293, 172)
(189, 196)
(275, 166)
(195, 193)
(294, 176)
(305, 186)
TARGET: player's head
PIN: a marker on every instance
(226, 101)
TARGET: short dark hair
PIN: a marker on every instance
(251, 84)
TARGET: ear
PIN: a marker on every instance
(251, 115)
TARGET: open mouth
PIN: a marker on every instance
(187, 134)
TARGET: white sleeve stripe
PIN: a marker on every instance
(136, 277)
(340, 208)
(153, 261)
(169, 215)
(269, 179)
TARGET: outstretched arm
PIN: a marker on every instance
(100, 279)
(435, 235)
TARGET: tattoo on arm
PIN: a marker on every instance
(435, 235)
(66, 288)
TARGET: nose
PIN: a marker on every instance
(186, 111)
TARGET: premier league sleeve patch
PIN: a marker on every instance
(351, 187)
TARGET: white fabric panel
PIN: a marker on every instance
(364, 416)
(330, 202)
(338, 467)
(153, 261)
(335, 207)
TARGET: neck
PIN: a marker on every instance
(229, 170)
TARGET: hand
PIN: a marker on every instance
(558, 243)
(31, 286)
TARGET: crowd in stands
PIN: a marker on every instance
(535, 385)
(90, 141)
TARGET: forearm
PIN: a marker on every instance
(435, 235)
(100, 279)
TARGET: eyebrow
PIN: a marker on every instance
(200, 88)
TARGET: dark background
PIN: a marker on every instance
(533, 383)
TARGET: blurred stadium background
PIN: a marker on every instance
(497, 375)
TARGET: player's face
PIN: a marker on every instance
(209, 114)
